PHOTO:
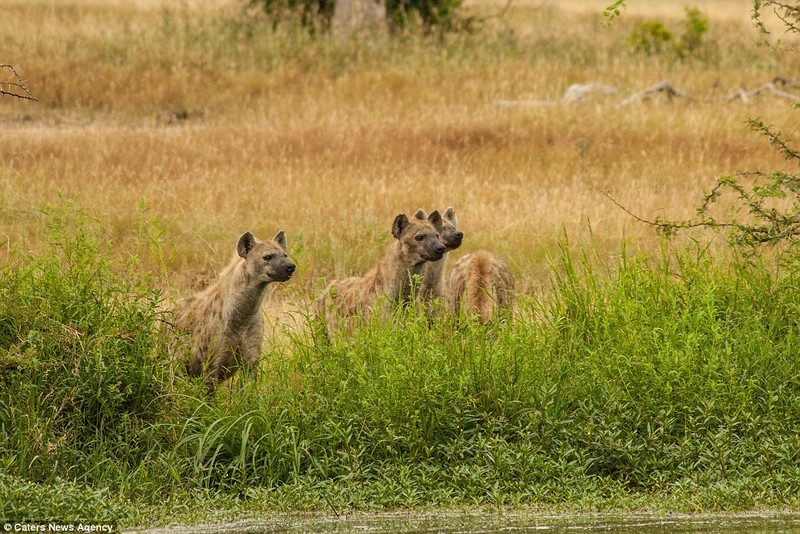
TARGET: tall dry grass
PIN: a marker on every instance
(189, 125)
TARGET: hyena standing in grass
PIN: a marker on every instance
(390, 280)
(481, 284)
(432, 286)
(224, 323)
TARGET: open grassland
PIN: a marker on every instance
(328, 140)
(636, 374)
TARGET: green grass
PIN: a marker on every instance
(665, 383)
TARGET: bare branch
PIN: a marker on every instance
(769, 87)
(769, 225)
(15, 87)
(665, 88)
(670, 227)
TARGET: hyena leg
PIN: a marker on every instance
(251, 356)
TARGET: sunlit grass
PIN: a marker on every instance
(634, 374)
(664, 383)
(328, 140)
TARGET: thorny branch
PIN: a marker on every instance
(787, 13)
(14, 87)
(767, 223)
(768, 226)
(671, 227)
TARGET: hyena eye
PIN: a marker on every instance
(419, 237)
(268, 257)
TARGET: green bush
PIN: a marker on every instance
(665, 382)
(313, 15)
(432, 14)
(23, 501)
(662, 377)
(695, 28)
(652, 38)
(83, 378)
(316, 15)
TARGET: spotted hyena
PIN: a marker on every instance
(390, 280)
(432, 286)
(480, 284)
(224, 325)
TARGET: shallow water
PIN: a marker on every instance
(463, 523)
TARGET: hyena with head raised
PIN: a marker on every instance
(224, 324)
(481, 284)
(432, 286)
(390, 280)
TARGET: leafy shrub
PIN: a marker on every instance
(313, 15)
(645, 377)
(316, 15)
(82, 379)
(656, 375)
(650, 38)
(58, 501)
(695, 28)
(653, 38)
(432, 14)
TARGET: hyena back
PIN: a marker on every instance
(224, 323)
(481, 284)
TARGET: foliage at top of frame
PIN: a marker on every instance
(316, 16)
(654, 38)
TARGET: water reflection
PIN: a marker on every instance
(464, 523)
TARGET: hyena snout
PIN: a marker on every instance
(283, 271)
(435, 251)
(454, 240)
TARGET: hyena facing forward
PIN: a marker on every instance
(481, 284)
(432, 286)
(390, 280)
(224, 322)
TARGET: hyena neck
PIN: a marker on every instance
(432, 274)
(244, 298)
(395, 272)
(405, 273)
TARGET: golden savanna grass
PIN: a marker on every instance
(195, 123)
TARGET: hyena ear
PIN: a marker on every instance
(421, 215)
(280, 239)
(436, 220)
(246, 244)
(450, 215)
(400, 223)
